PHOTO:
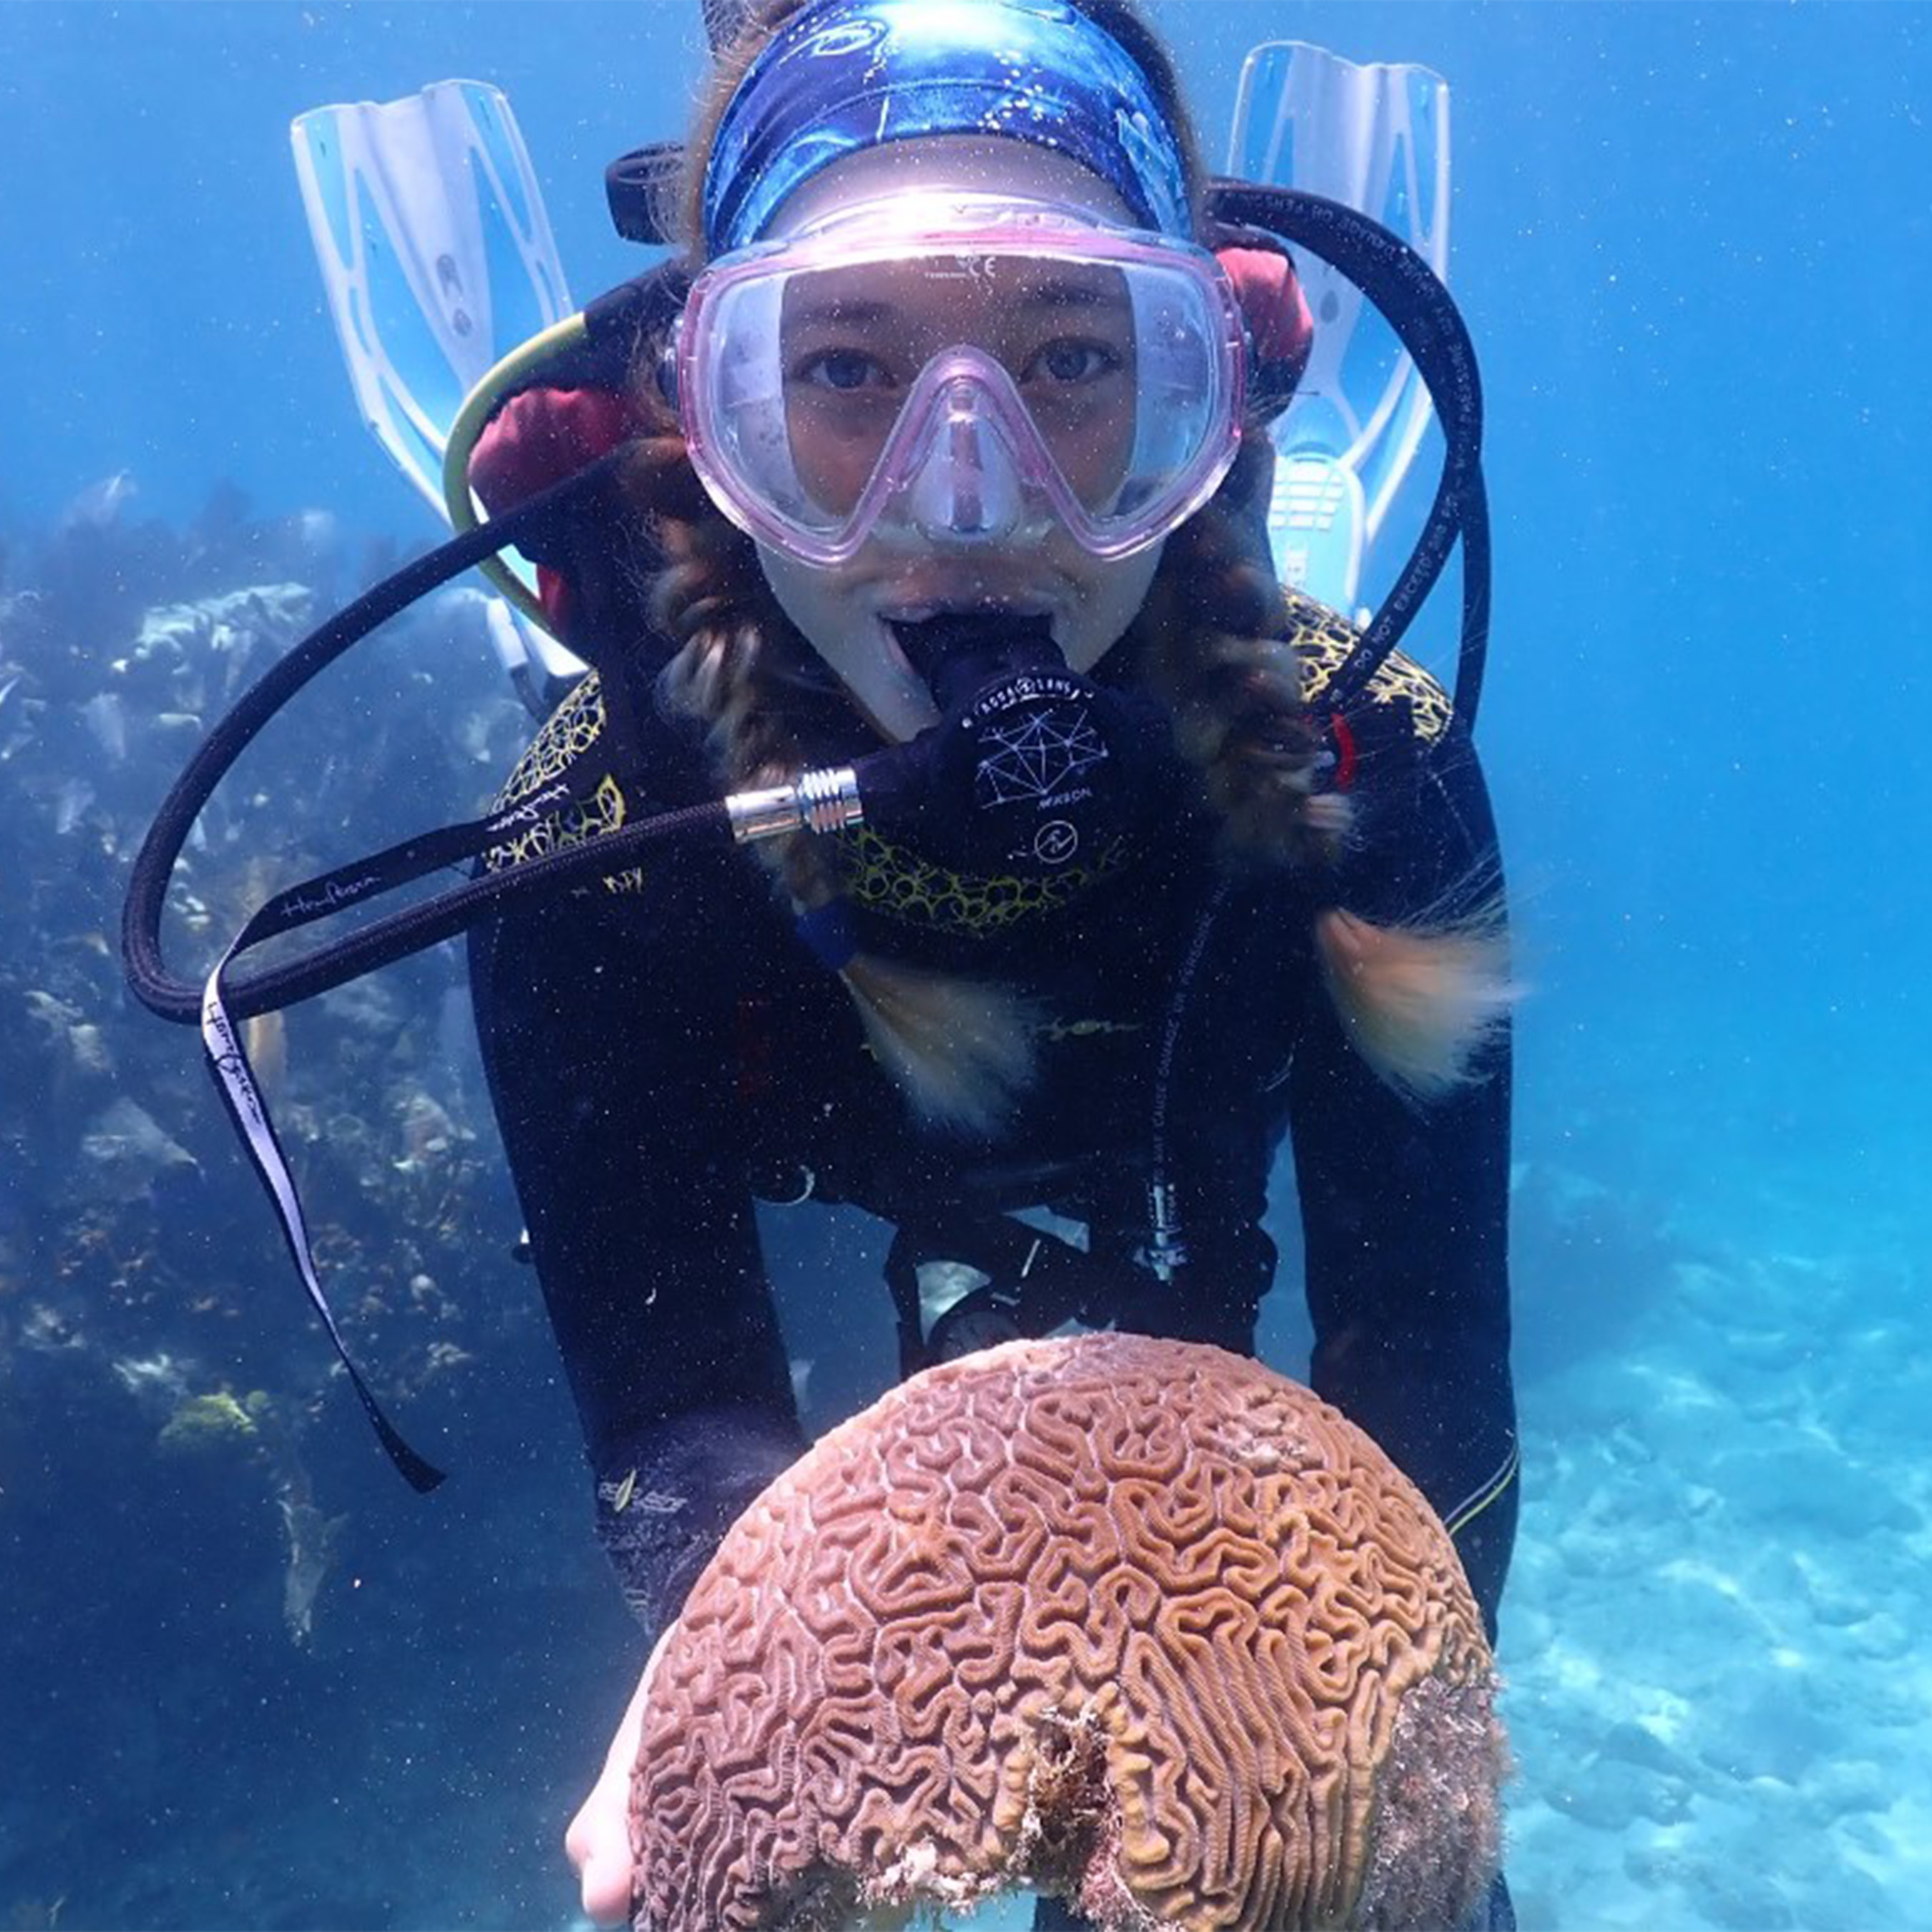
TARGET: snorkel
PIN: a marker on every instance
(1001, 685)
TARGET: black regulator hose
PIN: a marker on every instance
(1400, 284)
(173, 998)
(1413, 299)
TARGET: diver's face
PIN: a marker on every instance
(1077, 383)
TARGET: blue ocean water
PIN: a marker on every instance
(1692, 245)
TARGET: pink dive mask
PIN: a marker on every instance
(950, 368)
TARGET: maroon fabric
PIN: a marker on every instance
(542, 435)
(1280, 326)
(539, 438)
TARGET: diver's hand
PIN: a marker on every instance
(598, 1841)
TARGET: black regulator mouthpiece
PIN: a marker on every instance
(1032, 769)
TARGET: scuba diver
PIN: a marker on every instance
(948, 455)
(919, 504)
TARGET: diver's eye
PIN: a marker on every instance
(846, 371)
(1072, 361)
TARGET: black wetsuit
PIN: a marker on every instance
(663, 1045)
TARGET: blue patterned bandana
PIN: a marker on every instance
(848, 75)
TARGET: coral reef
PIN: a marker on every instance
(137, 1265)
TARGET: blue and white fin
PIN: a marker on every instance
(1375, 137)
(437, 256)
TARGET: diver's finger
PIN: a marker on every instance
(602, 1857)
(598, 1842)
(604, 1878)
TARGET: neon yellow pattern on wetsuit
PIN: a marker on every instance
(887, 879)
(568, 735)
(1322, 640)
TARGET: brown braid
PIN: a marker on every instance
(734, 644)
(1208, 641)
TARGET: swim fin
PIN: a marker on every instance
(437, 256)
(1375, 137)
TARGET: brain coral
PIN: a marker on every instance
(1138, 1623)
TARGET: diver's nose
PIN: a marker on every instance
(967, 486)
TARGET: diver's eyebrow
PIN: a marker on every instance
(1074, 292)
(1059, 292)
(840, 310)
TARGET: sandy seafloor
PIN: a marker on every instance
(1692, 249)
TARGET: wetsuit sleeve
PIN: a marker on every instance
(1405, 1206)
(607, 1027)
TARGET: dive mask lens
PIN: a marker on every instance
(1026, 367)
